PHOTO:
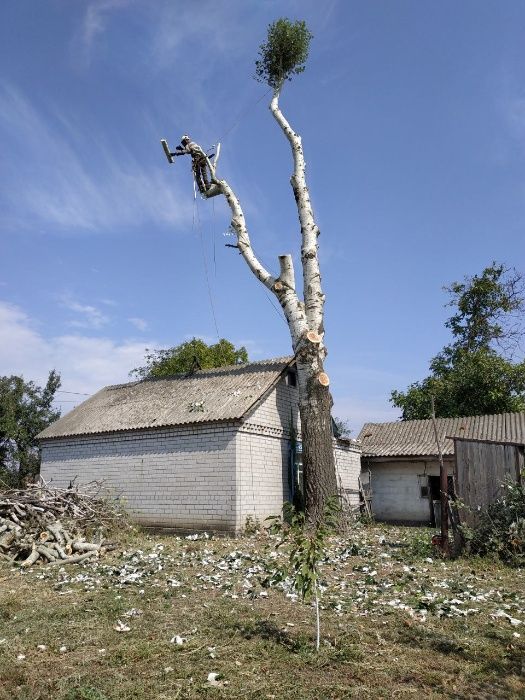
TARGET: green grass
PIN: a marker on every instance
(390, 627)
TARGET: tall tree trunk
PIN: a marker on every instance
(315, 403)
(305, 320)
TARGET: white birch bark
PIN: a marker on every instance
(305, 319)
(284, 285)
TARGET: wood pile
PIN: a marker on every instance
(49, 526)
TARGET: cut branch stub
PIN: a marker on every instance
(278, 286)
(313, 337)
(323, 379)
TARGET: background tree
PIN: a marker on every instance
(184, 357)
(25, 410)
(341, 427)
(283, 55)
(474, 375)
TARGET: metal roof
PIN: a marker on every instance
(221, 394)
(416, 437)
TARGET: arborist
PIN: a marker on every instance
(198, 161)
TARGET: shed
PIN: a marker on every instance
(402, 459)
(198, 451)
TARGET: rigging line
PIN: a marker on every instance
(213, 230)
(242, 114)
(277, 311)
(199, 228)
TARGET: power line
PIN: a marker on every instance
(77, 393)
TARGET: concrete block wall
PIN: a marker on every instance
(396, 490)
(183, 478)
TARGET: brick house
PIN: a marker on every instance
(200, 451)
(402, 460)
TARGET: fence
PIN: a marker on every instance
(481, 469)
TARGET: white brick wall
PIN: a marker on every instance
(262, 476)
(207, 477)
(348, 469)
(278, 411)
(180, 477)
(263, 446)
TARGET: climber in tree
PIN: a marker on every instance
(198, 160)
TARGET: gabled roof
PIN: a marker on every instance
(222, 394)
(416, 437)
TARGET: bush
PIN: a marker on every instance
(501, 529)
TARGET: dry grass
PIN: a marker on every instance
(390, 627)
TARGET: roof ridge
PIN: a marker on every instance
(443, 418)
(284, 360)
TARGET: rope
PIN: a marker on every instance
(199, 228)
(242, 113)
(221, 138)
(213, 229)
(277, 311)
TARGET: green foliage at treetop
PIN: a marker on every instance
(25, 410)
(284, 53)
(471, 376)
(188, 356)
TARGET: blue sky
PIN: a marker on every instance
(413, 120)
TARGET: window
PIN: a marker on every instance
(291, 379)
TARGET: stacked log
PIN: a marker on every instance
(49, 526)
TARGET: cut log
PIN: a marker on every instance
(85, 547)
(75, 559)
(31, 530)
(57, 531)
(47, 553)
(32, 558)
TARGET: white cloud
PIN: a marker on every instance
(139, 323)
(69, 180)
(96, 20)
(87, 316)
(85, 364)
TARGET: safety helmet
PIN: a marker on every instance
(185, 138)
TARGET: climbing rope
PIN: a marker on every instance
(197, 220)
(242, 114)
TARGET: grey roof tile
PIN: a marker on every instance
(226, 393)
(416, 437)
